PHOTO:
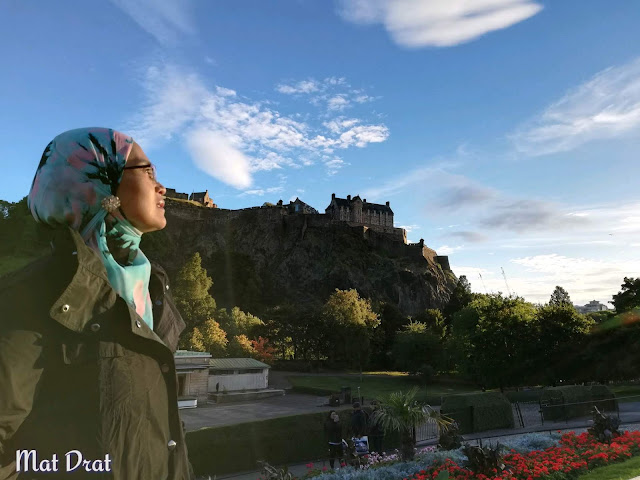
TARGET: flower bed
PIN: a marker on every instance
(575, 455)
(530, 457)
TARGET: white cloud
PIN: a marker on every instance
(333, 165)
(339, 102)
(225, 92)
(421, 23)
(165, 20)
(304, 86)
(180, 105)
(606, 106)
(214, 154)
(333, 93)
(262, 191)
(409, 228)
(447, 250)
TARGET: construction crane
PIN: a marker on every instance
(505, 281)
(483, 285)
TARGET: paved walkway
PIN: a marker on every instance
(214, 415)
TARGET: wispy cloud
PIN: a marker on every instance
(421, 23)
(468, 236)
(448, 250)
(260, 192)
(165, 20)
(333, 93)
(464, 195)
(216, 123)
(527, 214)
(606, 106)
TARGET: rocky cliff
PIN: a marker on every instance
(264, 256)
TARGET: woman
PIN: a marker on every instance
(333, 434)
(87, 335)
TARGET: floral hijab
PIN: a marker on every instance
(75, 185)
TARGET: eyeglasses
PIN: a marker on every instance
(150, 169)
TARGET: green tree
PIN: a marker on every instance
(460, 298)
(628, 297)
(209, 337)
(434, 320)
(391, 321)
(350, 321)
(493, 337)
(237, 322)
(241, 347)
(191, 293)
(559, 327)
(402, 413)
(415, 346)
(560, 297)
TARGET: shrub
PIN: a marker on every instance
(484, 460)
(603, 398)
(568, 401)
(477, 412)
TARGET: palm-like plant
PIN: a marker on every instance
(401, 412)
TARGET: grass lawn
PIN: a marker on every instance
(618, 471)
(626, 391)
(376, 386)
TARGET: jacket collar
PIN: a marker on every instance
(88, 295)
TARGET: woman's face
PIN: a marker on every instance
(141, 196)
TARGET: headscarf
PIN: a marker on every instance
(75, 185)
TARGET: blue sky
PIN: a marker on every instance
(503, 132)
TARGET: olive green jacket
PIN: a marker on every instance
(81, 372)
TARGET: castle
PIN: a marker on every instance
(375, 220)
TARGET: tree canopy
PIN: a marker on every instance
(629, 295)
(560, 297)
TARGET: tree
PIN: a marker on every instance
(628, 297)
(238, 322)
(401, 413)
(209, 337)
(191, 293)
(560, 297)
(350, 321)
(493, 337)
(416, 346)
(240, 347)
(559, 328)
(264, 351)
(460, 298)
(434, 321)
(391, 321)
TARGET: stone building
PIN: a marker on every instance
(356, 210)
(171, 193)
(203, 198)
(592, 306)
(298, 206)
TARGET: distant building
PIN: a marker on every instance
(298, 206)
(359, 211)
(171, 193)
(203, 198)
(193, 374)
(592, 306)
(237, 374)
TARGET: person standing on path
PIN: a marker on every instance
(333, 435)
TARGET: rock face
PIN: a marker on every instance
(264, 256)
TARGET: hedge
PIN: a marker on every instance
(279, 441)
(477, 412)
(573, 401)
(565, 402)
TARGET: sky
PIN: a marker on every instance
(502, 132)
